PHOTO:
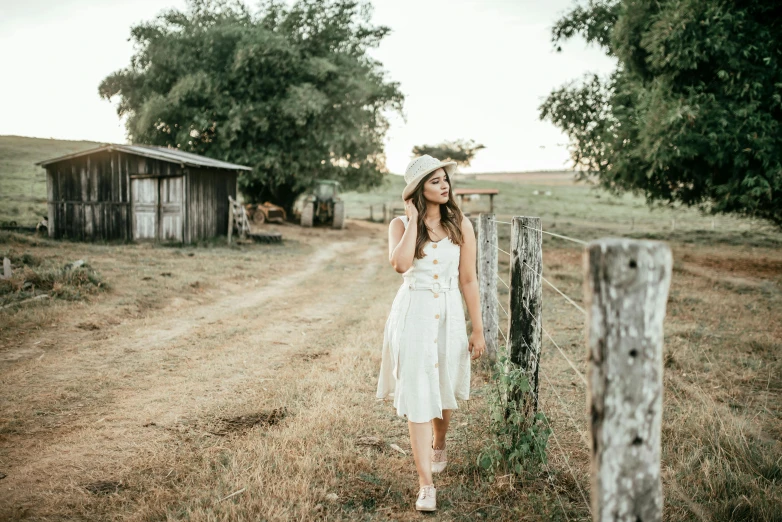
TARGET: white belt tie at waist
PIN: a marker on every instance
(452, 283)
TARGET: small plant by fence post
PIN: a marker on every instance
(487, 282)
(526, 304)
(519, 431)
(626, 289)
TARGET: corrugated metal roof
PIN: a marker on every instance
(151, 151)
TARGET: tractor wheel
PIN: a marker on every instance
(307, 214)
(258, 217)
(339, 214)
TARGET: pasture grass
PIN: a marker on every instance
(22, 183)
(113, 409)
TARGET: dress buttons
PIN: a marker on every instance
(437, 295)
(434, 262)
(436, 276)
(435, 365)
(437, 316)
(434, 245)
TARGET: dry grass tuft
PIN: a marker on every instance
(33, 277)
(104, 487)
(243, 423)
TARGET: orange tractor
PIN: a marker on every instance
(262, 212)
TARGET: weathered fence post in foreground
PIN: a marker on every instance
(626, 288)
(526, 304)
(487, 282)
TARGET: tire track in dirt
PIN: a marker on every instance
(192, 384)
(157, 333)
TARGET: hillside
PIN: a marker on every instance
(22, 183)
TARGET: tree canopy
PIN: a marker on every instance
(460, 151)
(692, 112)
(287, 90)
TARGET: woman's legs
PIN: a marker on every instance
(420, 441)
(440, 429)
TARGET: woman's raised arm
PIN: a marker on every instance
(401, 245)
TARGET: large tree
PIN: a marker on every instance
(692, 112)
(287, 90)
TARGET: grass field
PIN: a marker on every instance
(22, 183)
(205, 371)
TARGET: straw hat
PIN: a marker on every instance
(420, 167)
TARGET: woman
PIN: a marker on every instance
(426, 353)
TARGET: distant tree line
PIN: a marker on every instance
(693, 112)
(460, 151)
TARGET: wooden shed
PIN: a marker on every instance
(139, 192)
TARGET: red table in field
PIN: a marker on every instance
(480, 192)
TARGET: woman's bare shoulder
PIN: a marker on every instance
(397, 223)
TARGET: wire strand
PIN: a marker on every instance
(572, 473)
(557, 235)
(578, 372)
(503, 282)
(555, 288)
(502, 307)
(567, 411)
(546, 232)
(497, 321)
(503, 251)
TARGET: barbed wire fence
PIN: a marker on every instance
(626, 284)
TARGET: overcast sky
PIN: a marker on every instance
(470, 69)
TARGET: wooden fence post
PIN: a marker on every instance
(626, 288)
(230, 218)
(487, 282)
(526, 304)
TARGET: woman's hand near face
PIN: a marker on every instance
(411, 210)
(401, 239)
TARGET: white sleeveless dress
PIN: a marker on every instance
(425, 363)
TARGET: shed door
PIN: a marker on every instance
(145, 204)
(171, 208)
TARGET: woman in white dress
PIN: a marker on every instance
(426, 353)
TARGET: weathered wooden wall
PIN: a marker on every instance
(207, 192)
(89, 197)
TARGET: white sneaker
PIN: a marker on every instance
(427, 498)
(439, 460)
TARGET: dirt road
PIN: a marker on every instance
(155, 413)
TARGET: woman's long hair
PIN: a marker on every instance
(450, 217)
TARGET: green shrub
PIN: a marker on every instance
(518, 443)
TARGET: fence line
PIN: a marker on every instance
(624, 325)
(564, 407)
(572, 473)
(567, 460)
(561, 351)
(579, 241)
(558, 290)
